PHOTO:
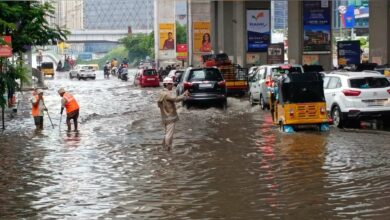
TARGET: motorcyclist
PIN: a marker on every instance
(107, 70)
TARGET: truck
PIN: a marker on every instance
(236, 77)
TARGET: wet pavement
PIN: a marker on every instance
(224, 165)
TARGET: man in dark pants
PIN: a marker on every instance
(72, 108)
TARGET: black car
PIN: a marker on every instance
(178, 76)
(205, 85)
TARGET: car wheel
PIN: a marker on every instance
(251, 99)
(336, 116)
(79, 78)
(262, 103)
(93, 78)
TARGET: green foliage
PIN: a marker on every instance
(119, 53)
(181, 33)
(8, 78)
(139, 46)
(26, 22)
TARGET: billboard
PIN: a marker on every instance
(258, 30)
(348, 52)
(6, 50)
(202, 37)
(181, 51)
(167, 33)
(316, 27)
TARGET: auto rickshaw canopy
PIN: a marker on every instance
(301, 88)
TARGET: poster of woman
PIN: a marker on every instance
(202, 37)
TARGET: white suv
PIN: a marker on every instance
(352, 96)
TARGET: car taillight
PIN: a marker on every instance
(388, 91)
(187, 85)
(349, 92)
(322, 110)
(291, 112)
(222, 84)
(268, 81)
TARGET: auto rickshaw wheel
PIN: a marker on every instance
(336, 116)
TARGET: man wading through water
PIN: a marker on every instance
(166, 103)
(72, 108)
(38, 107)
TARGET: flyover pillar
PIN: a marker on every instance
(379, 32)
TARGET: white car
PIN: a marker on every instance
(262, 79)
(353, 96)
(83, 72)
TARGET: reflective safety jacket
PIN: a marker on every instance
(37, 107)
(71, 103)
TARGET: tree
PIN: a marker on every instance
(26, 22)
(181, 33)
(139, 46)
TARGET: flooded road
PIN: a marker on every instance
(224, 165)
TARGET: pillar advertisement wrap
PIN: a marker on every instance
(202, 37)
(258, 30)
(316, 27)
(167, 41)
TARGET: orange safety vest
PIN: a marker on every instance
(71, 103)
(35, 108)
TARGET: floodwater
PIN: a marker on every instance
(224, 165)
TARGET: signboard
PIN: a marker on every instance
(6, 50)
(258, 30)
(316, 27)
(167, 33)
(253, 58)
(349, 17)
(202, 37)
(181, 51)
(348, 52)
(275, 53)
(311, 59)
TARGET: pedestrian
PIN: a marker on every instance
(72, 108)
(166, 103)
(38, 108)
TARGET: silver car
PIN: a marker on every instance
(262, 79)
(83, 72)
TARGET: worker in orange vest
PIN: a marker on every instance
(72, 108)
(38, 107)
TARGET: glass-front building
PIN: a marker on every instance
(118, 14)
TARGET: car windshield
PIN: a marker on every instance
(277, 71)
(47, 65)
(369, 82)
(205, 75)
(86, 68)
(150, 72)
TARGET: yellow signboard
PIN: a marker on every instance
(202, 37)
(167, 33)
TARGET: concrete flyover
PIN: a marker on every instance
(227, 21)
(84, 36)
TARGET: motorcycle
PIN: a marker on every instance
(124, 74)
(114, 71)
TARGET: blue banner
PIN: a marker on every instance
(349, 17)
(258, 30)
(348, 52)
(316, 27)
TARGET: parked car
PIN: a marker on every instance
(204, 85)
(83, 72)
(178, 75)
(354, 96)
(147, 78)
(262, 79)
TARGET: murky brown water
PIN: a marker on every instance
(224, 165)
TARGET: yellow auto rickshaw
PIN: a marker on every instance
(47, 68)
(299, 101)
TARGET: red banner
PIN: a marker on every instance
(181, 51)
(6, 50)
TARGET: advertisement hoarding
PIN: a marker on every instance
(202, 37)
(275, 53)
(316, 27)
(258, 30)
(348, 52)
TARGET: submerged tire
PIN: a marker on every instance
(337, 118)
